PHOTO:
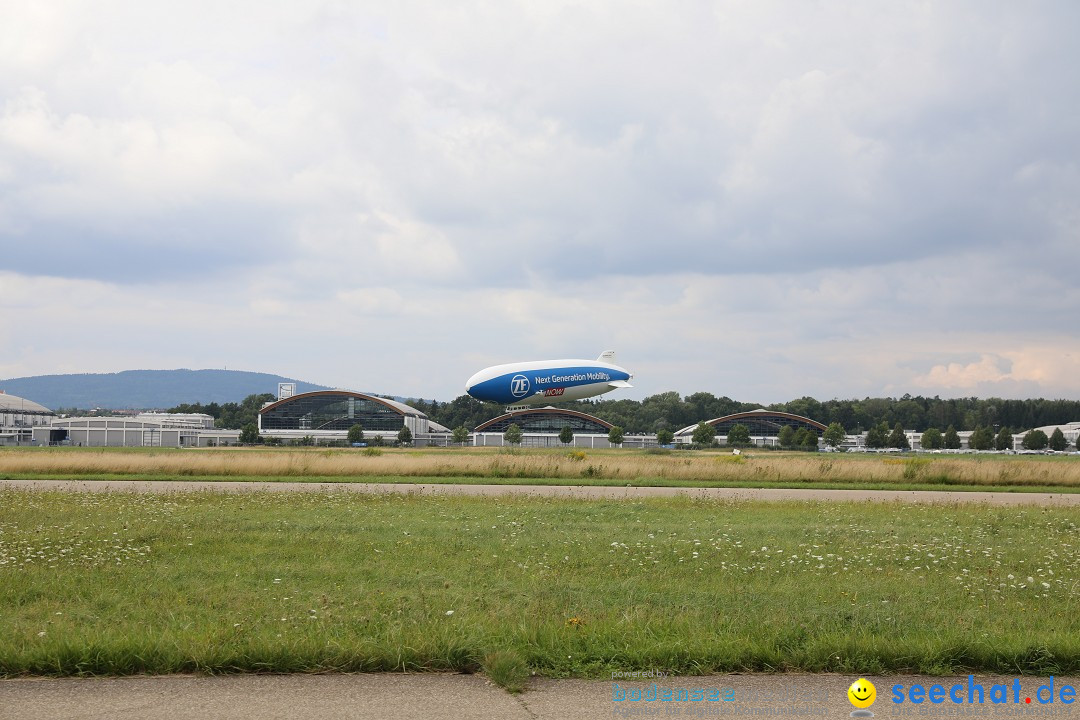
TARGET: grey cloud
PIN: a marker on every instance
(735, 141)
(214, 242)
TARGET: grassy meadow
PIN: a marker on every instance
(553, 466)
(116, 583)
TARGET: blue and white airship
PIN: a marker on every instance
(548, 381)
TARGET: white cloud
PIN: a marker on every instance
(1039, 368)
(956, 376)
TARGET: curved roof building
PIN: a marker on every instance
(547, 420)
(18, 418)
(328, 411)
(762, 423)
(16, 411)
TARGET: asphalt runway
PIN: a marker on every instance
(471, 697)
(589, 492)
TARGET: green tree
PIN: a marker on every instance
(461, 434)
(834, 434)
(1004, 439)
(229, 415)
(615, 435)
(404, 436)
(810, 440)
(237, 415)
(1057, 440)
(665, 436)
(704, 434)
(982, 438)
(1035, 440)
(566, 435)
(669, 410)
(877, 436)
(799, 439)
(465, 410)
(931, 439)
(376, 441)
(786, 436)
(356, 434)
(738, 435)
(249, 435)
(513, 434)
(898, 438)
(951, 439)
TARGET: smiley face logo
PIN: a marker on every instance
(862, 693)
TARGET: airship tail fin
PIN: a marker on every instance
(607, 356)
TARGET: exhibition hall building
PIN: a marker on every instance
(324, 417)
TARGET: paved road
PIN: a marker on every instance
(569, 491)
(471, 697)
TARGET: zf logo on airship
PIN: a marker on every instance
(519, 386)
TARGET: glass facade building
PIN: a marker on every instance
(547, 421)
(761, 423)
(336, 410)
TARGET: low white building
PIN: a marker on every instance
(198, 421)
(1070, 430)
(159, 431)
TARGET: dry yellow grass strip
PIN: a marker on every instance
(625, 466)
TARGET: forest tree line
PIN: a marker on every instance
(670, 411)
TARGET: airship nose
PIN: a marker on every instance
(472, 382)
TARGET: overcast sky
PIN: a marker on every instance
(756, 199)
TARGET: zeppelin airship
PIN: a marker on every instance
(548, 381)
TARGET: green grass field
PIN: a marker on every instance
(121, 584)
(581, 482)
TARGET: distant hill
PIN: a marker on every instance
(146, 389)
